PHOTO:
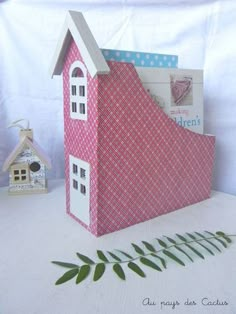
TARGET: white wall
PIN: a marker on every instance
(201, 33)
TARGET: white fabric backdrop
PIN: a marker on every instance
(201, 33)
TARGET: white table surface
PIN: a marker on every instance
(35, 230)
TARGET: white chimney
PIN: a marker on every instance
(26, 133)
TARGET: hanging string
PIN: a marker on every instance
(16, 124)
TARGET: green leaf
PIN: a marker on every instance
(172, 241)
(181, 237)
(174, 257)
(66, 265)
(83, 273)
(208, 241)
(220, 233)
(205, 247)
(182, 251)
(217, 239)
(191, 236)
(134, 267)
(125, 254)
(85, 259)
(221, 242)
(149, 263)
(162, 243)
(138, 249)
(102, 256)
(67, 276)
(119, 271)
(195, 251)
(223, 235)
(114, 256)
(200, 234)
(99, 271)
(212, 234)
(163, 262)
(227, 239)
(149, 246)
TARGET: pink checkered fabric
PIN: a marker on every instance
(142, 163)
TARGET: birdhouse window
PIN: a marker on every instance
(20, 174)
(78, 91)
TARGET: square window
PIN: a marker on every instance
(23, 178)
(82, 189)
(17, 178)
(16, 171)
(82, 108)
(75, 184)
(73, 90)
(75, 169)
(81, 91)
(82, 173)
(23, 171)
(74, 107)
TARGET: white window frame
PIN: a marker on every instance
(20, 175)
(77, 99)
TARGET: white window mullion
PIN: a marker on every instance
(78, 92)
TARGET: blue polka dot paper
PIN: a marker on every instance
(141, 59)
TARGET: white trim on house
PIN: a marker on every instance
(76, 27)
(80, 189)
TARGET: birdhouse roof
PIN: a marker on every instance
(33, 145)
(76, 27)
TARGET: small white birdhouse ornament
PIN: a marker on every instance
(27, 164)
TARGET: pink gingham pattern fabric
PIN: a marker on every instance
(142, 163)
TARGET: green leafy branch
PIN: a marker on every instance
(179, 249)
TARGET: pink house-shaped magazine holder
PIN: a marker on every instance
(126, 161)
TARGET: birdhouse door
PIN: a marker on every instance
(80, 189)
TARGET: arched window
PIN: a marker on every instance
(78, 91)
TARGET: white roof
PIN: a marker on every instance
(76, 27)
(33, 145)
